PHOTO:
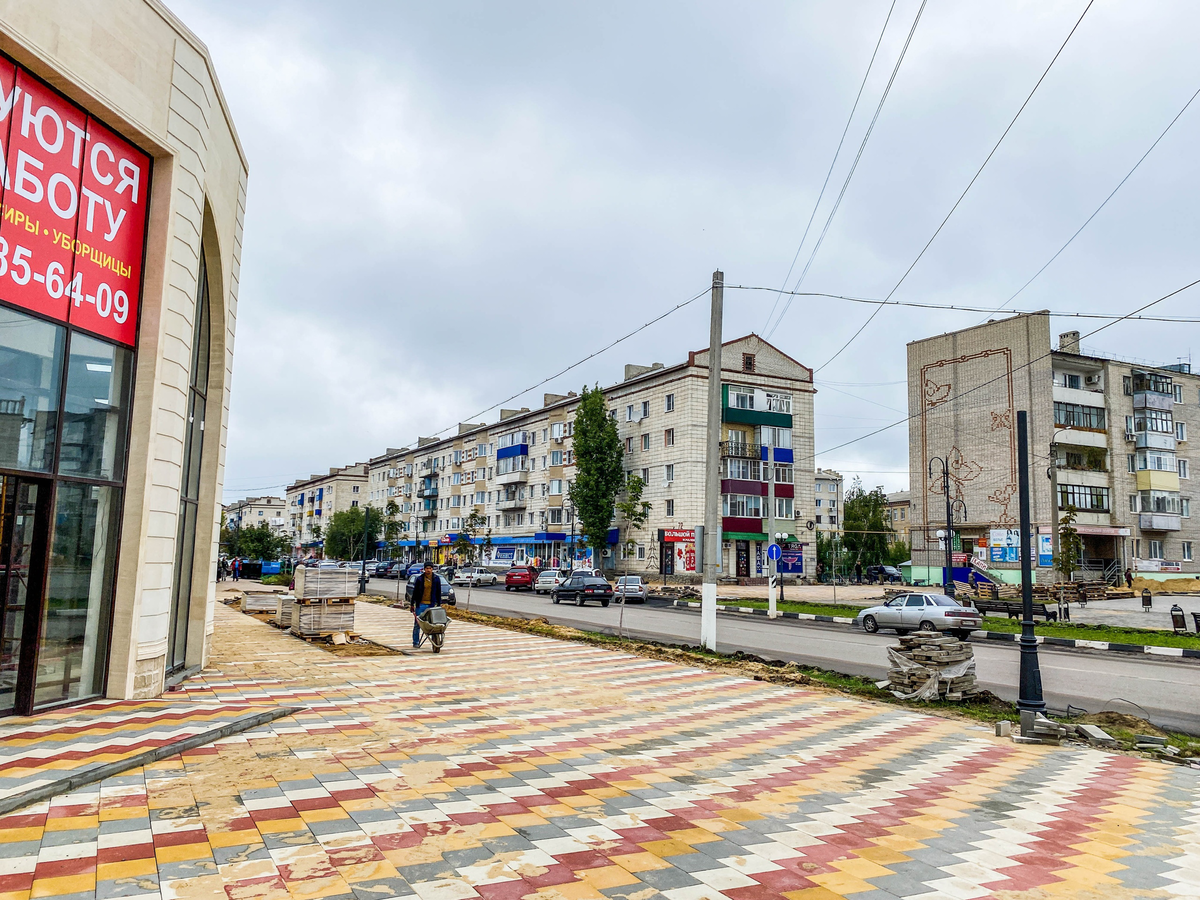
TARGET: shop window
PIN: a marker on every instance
(31, 353)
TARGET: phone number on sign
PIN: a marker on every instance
(107, 301)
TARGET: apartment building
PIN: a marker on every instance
(1109, 437)
(517, 472)
(251, 512)
(827, 502)
(899, 509)
(311, 503)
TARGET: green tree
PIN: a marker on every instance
(633, 510)
(899, 552)
(344, 534)
(464, 545)
(1070, 545)
(598, 469)
(866, 525)
(260, 542)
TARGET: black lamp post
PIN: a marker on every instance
(362, 576)
(1030, 697)
(948, 578)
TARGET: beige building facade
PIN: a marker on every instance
(312, 502)
(121, 234)
(516, 473)
(1108, 438)
(827, 500)
(252, 512)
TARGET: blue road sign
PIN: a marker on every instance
(774, 552)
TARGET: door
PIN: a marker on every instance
(24, 522)
(667, 557)
(743, 559)
(914, 611)
(889, 613)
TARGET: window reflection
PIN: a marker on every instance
(98, 376)
(73, 650)
(30, 361)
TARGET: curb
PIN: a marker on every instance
(1067, 643)
(154, 754)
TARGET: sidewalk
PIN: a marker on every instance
(513, 766)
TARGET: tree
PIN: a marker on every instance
(866, 525)
(634, 511)
(1070, 545)
(599, 467)
(344, 534)
(464, 545)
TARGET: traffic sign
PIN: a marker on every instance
(774, 552)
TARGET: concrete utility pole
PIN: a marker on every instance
(712, 474)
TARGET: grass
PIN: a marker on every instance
(814, 609)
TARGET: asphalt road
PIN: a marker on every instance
(1166, 691)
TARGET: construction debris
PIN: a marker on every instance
(1095, 735)
(929, 665)
(1035, 726)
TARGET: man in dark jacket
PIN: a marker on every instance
(427, 592)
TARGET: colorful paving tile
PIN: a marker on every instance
(512, 767)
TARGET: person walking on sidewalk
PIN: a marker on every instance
(427, 592)
(1129, 579)
(237, 568)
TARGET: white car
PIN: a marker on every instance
(473, 576)
(549, 580)
(630, 589)
(926, 612)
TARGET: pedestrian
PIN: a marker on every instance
(1128, 579)
(971, 581)
(237, 568)
(427, 592)
(820, 573)
(858, 571)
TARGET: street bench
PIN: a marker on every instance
(1014, 610)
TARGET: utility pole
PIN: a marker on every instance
(712, 471)
(1030, 696)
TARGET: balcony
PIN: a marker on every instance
(518, 477)
(1158, 522)
(1153, 400)
(427, 492)
(427, 512)
(511, 504)
(1154, 440)
(740, 450)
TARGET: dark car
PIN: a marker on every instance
(520, 578)
(386, 569)
(448, 596)
(414, 570)
(582, 588)
(883, 574)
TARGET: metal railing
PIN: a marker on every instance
(741, 450)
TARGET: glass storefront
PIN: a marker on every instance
(64, 420)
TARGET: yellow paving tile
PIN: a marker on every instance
(73, 823)
(182, 853)
(738, 814)
(884, 855)
(579, 890)
(813, 893)
(861, 868)
(668, 848)
(327, 814)
(234, 838)
(640, 862)
(12, 835)
(119, 813)
(65, 884)
(608, 877)
(522, 820)
(693, 835)
(841, 883)
(277, 826)
(129, 868)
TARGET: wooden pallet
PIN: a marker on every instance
(325, 635)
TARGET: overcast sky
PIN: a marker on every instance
(450, 201)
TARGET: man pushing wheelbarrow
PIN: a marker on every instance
(429, 619)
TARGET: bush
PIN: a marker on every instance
(276, 579)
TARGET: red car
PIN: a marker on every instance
(520, 577)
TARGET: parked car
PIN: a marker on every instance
(630, 589)
(329, 564)
(582, 588)
(414, 570)
(474, 575)
(883, 574)
(932, 612)
(387, 568)
(549, 580)
(448, 595)
(520, 578)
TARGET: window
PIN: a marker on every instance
(628, 445)
(554, 515)
(1178, 392)
(629, 413)
(1156, 420)
(1127, 384)
(780, 403)
(1187, 550)
(783, 474)
(556, 457)
(645, 477)
(741, 397)
(832, 503)
(669, 437)
(1156, 549)
(818, 520)
(354, 489)
(1074, 415)
(1084, 498)
(1160, 502)
(1181, 431)
(1156, 460)
(1183, 468)
(515, 439)
(354, 503)
(818, 487)
(669, 406)
(556, 430)
(641, 551)
(556, 486)
(1185, 507)
(747, 362)
(512, 464)
(741, 506)
(818, 501)
(776, 437)
(669, 472)
(671, 511)
(741, 469)
(783, 507)
(1070, 381)
(1132, 460)
(1137, 548)
(645, 442)
(833, 520)
(645, 409)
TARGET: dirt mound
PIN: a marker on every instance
(1111, 719)
(1168, 586)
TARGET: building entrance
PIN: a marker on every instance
(24, 517)
(743, 559)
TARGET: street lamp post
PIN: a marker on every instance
(948, 578)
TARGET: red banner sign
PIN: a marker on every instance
(74, 211)
(677, 534)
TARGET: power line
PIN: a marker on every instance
(1101, 206)
(854, 166)
(974, 178)
(984, 384)
(956, 307)
(833, 161)
(573, 365)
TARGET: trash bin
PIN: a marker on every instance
(1147, 600)
(1178, 620)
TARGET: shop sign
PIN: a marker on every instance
(1045, 550)
(1147, 565)
(758, 558)
(503, 553)
(681, 535)
(73, 223)
(1171, 565)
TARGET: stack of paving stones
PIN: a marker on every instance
(933, 654)
(323, 603)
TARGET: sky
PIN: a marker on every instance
(450, 202)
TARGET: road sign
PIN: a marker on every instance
(774, 552)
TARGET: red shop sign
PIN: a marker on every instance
(74, 199)
(676, 534)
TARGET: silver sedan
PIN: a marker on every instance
(927, 612)
(630, 588)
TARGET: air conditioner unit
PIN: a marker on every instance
(1091, 379)
(558, 440)
(606, 553)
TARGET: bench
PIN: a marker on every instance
(1014, 610)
